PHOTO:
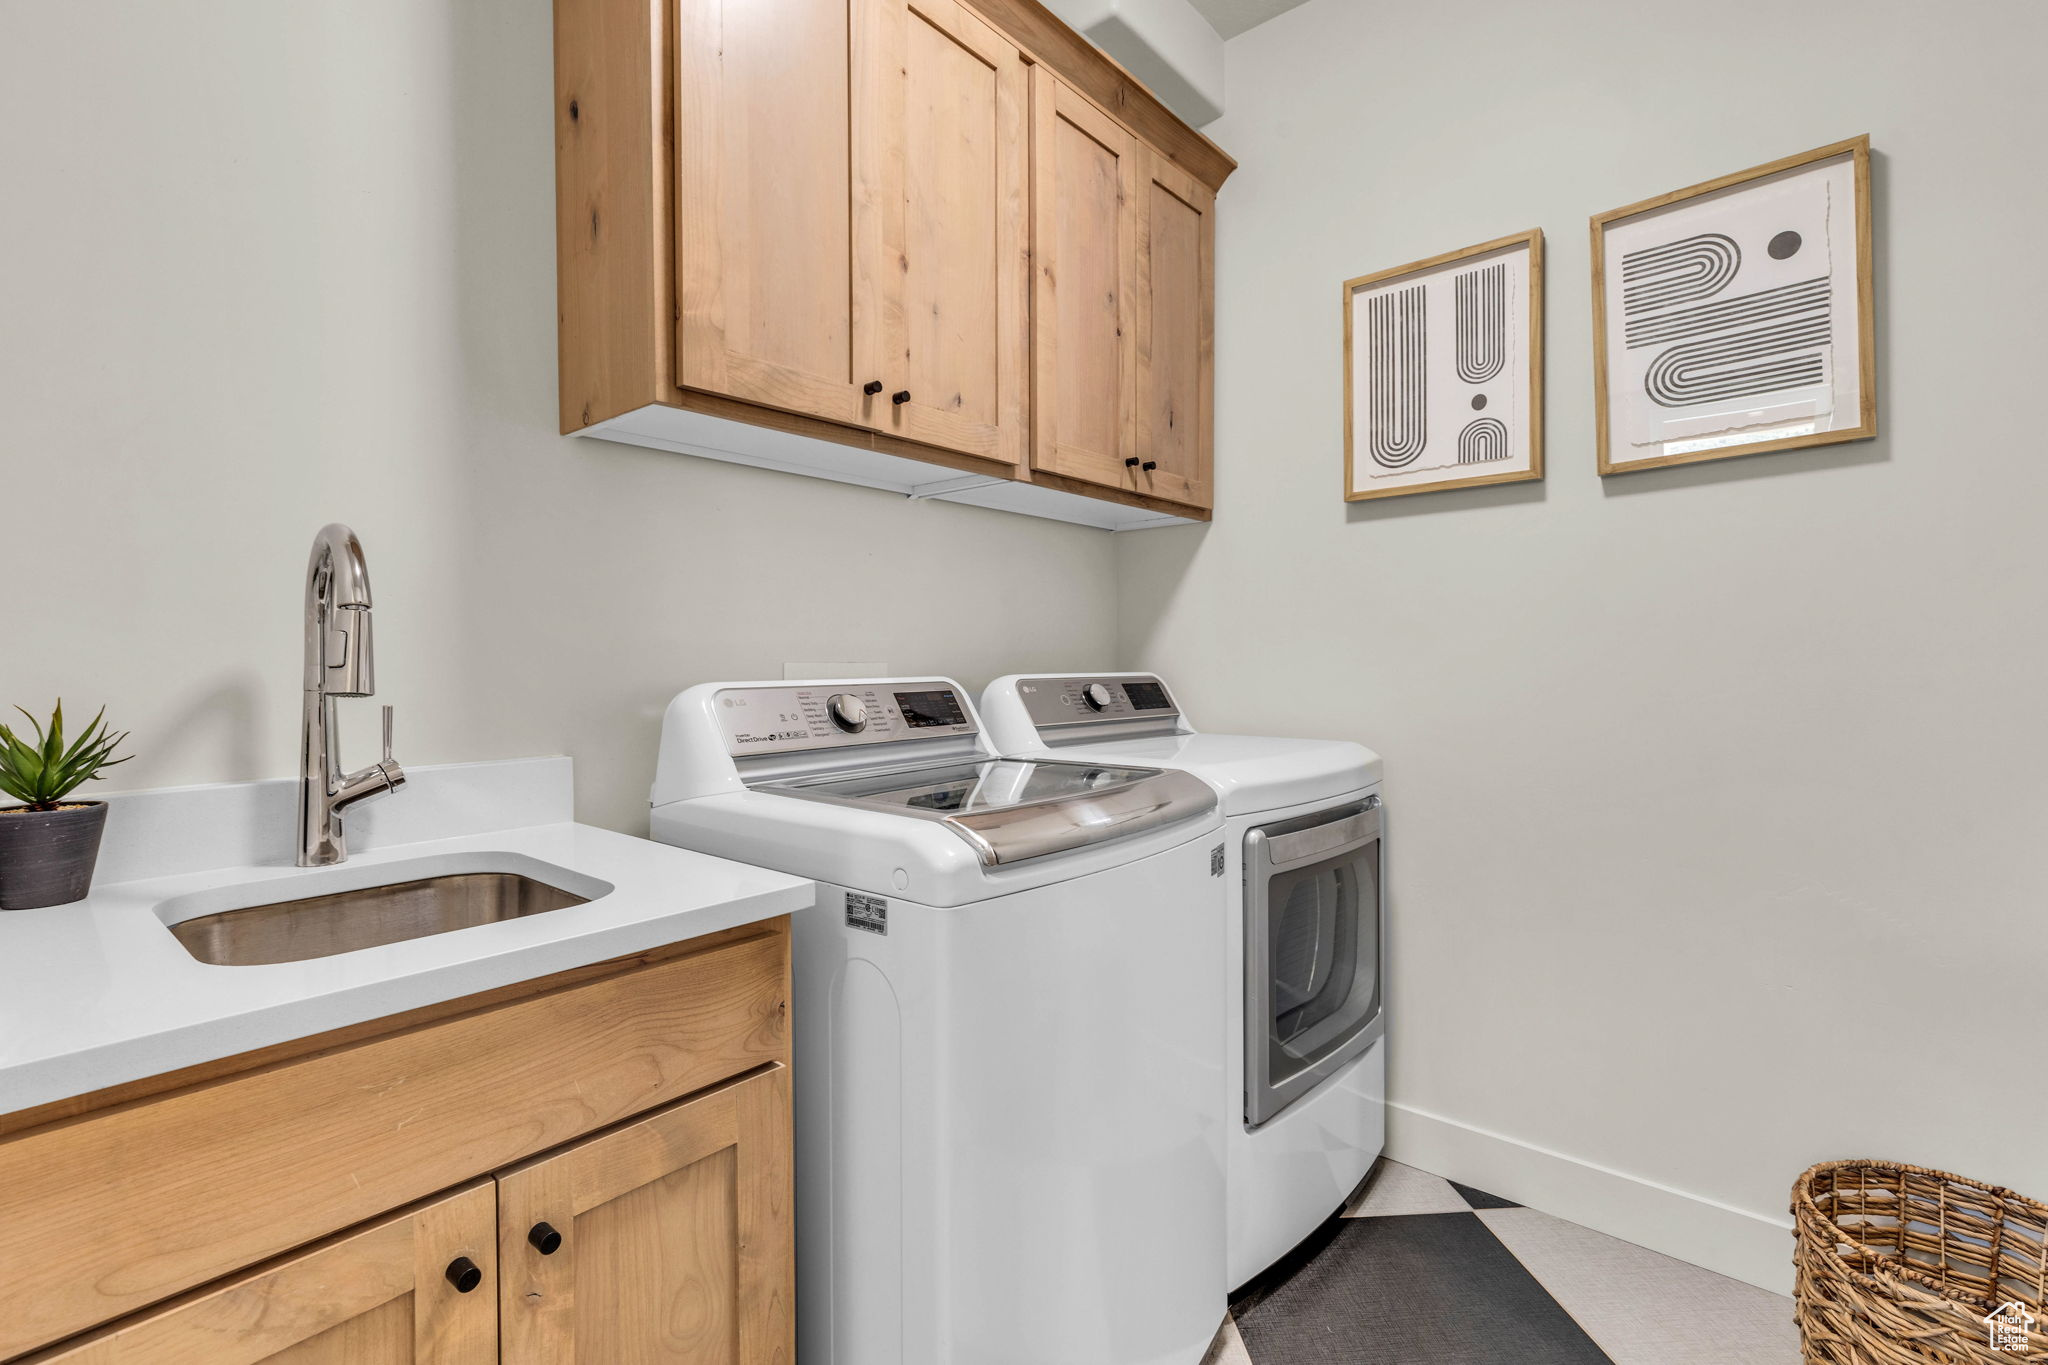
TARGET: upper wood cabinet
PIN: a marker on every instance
(764, 239)
(1084, 245)
(849, 200)
(415, 1289)
(1123, 244)
(1175, 311)
(940, 233)
(948, 234)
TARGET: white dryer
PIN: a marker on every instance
(1006, 1042)
(1305, 1096)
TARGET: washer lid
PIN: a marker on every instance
(1013, 809)
(1252, 773)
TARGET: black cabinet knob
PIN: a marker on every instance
(872, 387)
(1149, 466)
(899, 399)
(1131, 463)
(464, 1274)
(544, 1238)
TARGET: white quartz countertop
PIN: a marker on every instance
(99, 992)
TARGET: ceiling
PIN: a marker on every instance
(1232, 17)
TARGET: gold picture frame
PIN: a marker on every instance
(1525, 453)
(1778, 320)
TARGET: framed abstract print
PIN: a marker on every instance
(1443, 371)
(1735, 317)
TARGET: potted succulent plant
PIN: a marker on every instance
(48, 845)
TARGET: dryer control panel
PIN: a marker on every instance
(1060, 702)
(778, 720)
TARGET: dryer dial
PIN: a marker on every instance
(848, 712)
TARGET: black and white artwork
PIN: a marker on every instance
(1732, 319)
(1440, 372)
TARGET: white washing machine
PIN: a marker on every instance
(1305, 1095)
(1006, 1042)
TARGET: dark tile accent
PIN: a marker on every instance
(1287, 1267)
(1480, 1199)
(1426, 1289)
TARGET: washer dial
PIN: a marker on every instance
(1097, 696)
(848, 712)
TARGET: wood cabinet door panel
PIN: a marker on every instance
(763, 239)
(1176, 332)
(942, 146)
(380, 1296)
(677, 1239)
(1084, 349)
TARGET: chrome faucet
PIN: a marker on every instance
(339, 663)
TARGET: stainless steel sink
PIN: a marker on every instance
(341, 922)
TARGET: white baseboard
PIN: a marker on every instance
(1746, 1246)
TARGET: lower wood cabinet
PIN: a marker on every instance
(671, 1237)
(414, 1289)
(586, 1169)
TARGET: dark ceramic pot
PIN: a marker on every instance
(47, 856)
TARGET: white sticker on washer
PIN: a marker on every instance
(870, 913)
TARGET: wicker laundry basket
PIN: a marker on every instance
(1903, 1266)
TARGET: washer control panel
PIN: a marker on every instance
(777, 720)
(1054, 702)
(848, 712)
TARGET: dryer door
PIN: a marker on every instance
(1313, 994)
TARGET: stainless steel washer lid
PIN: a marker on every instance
(1011, 810)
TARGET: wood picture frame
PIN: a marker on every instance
(1731, 432)
(1511, 304)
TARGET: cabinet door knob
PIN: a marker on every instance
(1149, 466)
(1131, 463)
(900, 398)
(464, 1274)
(872, 387)
(544, 1238)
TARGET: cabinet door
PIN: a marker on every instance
(941, 149)
(673, 1239)
(382, 1296)
(1176, 332)
(763, 231)
(1084, 242)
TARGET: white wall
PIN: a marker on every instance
(1716, 793)
(1167, 44)
(264, 266)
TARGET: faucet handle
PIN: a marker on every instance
(387, 734)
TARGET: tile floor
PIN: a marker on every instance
(1422, 1271)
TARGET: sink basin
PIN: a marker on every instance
(367, 917)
